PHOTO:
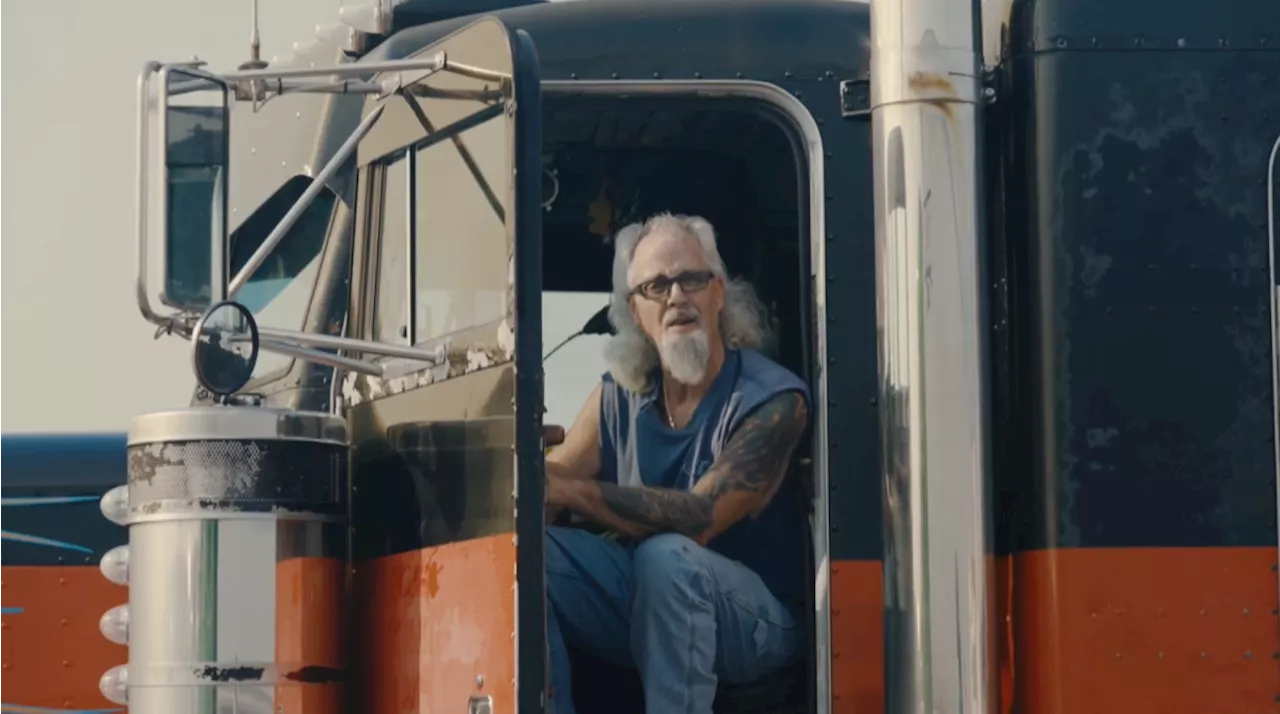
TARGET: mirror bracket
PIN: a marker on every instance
(254, 84)
(190, 319)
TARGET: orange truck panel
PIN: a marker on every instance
(53, 652)
(1168, 630)
(310, 658)
(437, 626)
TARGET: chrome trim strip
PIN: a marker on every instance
(171, 513)
(237, 423)
(1274, 289)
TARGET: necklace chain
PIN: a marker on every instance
(666, 406)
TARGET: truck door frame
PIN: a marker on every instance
(518, 350)
(804, 126)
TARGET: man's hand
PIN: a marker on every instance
(742, 481)
(552, 435)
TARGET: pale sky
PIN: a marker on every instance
(79, 356)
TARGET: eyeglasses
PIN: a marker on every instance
(690, 281)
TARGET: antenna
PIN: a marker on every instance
(255, 44)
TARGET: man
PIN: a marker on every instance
(682, 449)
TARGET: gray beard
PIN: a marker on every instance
(685, 357)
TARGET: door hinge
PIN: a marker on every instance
(855, 98)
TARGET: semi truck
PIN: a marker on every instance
(1023, 254)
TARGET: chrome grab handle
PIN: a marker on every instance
(1274, 290)
(1271, 211)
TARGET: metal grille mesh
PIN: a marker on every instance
(242, 474)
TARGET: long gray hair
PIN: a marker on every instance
(631, 355)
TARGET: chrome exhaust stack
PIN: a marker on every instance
(925, 93)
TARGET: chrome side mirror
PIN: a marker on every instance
(224, 349)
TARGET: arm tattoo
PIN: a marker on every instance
(752, 463)
(659, 509)
(756, 456)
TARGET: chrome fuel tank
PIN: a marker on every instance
(237, 561)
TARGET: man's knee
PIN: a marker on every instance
(670, 564)
(577, 559)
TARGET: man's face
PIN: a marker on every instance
(676, 300)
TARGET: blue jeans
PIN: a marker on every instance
(683, 615)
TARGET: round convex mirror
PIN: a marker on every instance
(225, 348)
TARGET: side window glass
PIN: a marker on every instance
(574, 370)
(391, 322)
(460, 232)
(280, 290)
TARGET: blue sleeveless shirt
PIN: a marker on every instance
(638, 448)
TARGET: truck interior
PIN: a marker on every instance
(610, 162)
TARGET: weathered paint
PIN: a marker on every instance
(455, 356)
(437, 627)
(1135, 469)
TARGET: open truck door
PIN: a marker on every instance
(435, 419)
(447, 472)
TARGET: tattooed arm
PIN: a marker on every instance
(740, 482)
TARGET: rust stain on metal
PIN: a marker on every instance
(433, 578)
(933, 84)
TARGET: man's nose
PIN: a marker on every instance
(677, 296)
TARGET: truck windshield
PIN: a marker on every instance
(280, 290)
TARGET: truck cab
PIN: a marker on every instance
(436, 215)
(1044, 445)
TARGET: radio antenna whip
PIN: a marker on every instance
(255, 44)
